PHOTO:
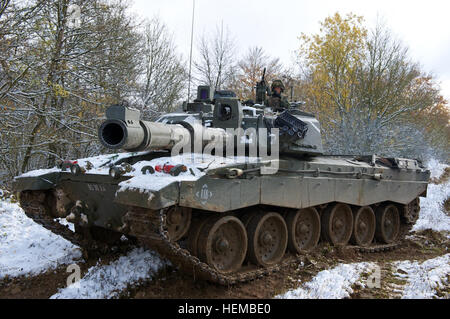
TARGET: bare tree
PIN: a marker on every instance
(3, 5)
(387, 90)
(164, 77)
(215, 65)
(65, 77)
(250, 70)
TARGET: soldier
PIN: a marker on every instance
(277, 101)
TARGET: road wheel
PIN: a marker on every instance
(194, 233)
(178, 222)
(303, 229)
(363, 226)
(387, 223)
(337, 224)
(222, 243)
(268, 237)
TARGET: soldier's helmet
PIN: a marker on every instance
(277, 83)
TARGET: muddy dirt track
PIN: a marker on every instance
(167, 282)
(170, 283)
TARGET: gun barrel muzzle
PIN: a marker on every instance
(124, 130)
(118, 134)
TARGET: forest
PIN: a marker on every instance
(59, 74)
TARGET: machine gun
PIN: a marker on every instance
(262, 89)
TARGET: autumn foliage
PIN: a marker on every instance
(368, 93)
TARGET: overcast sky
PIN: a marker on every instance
(423, 26)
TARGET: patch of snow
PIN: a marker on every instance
(424, 278)
(436, 168)
(197, 163)
(107, 281)
(39, 172)
(330, 284)
(101, 163)
(28, 248)
(64, 222)
(432, 214)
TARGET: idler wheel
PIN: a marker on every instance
(222, 243)
(178, 221)
(388, 223)
(363, 226)
(303, 229)
(267, 239)
(337, 224)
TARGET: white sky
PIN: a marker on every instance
(423, 26)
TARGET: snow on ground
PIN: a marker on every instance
(107, 281)
(432, 214)
(28, 248)
(64, 222)
(331, 284)
(436, 168)
(424, 278)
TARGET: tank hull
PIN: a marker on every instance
(144, 206)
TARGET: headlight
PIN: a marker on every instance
(116, 171)
(75, 169)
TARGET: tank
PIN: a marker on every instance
(228, 193)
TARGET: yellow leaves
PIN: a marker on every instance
(339, 40)
(333, 56)
(58, 90)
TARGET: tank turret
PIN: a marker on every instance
(297, 133)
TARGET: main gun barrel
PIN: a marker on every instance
(123, 129)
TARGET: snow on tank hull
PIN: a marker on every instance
(298, 184)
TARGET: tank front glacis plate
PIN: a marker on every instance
(48, 178)
(160, 189)
(41, 180)
(94, 188)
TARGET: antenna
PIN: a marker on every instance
(190, 55)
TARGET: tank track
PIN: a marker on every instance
(37, 206)
(150, 229)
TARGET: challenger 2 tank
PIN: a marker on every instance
(227, 193)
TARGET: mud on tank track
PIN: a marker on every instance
(150, 229)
